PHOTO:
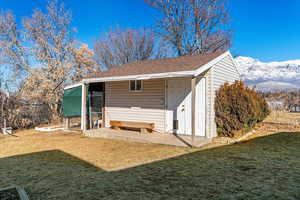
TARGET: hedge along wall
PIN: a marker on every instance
(238, 107)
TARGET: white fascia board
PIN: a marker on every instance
(211, 63)
(140, 77)
(73, 86)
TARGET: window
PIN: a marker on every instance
(135, 85)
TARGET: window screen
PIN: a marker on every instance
(135, 85)
(138, 85)
(132, 85)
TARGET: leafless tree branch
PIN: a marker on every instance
(193, 26)
(119, 47)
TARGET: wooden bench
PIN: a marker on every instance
(143, 126)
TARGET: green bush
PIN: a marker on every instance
(238, 107)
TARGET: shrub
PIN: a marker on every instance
(19, 113)
(238, 107)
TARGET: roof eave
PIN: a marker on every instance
(191, 73)
(141, 77)
(211, 63)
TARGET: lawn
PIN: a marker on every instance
(69, 166)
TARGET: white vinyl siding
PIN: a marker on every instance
(222, 72)
(147, 105)
(208, 107)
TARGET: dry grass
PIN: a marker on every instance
(278, 121)
(69, 166)
(103, 153)
(41, 162)
(283, 117)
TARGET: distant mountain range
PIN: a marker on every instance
(270, 76)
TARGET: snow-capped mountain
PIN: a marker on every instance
(270, 76)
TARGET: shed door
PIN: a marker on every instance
(200, 107)
(179, 105)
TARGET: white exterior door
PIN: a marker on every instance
(179, 105)
(200, 107)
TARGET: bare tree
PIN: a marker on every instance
(84, 63)
(11, 43)
(119, 47)
(54, 49)
(45, 51)
(193, 26)
(14, 57)
(52, 45)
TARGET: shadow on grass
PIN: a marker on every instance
(262, 168)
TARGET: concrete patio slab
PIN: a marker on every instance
(157, 138)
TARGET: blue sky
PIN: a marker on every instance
(265, 29)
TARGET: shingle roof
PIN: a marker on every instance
(183, 63)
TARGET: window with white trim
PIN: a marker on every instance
(135, 85)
